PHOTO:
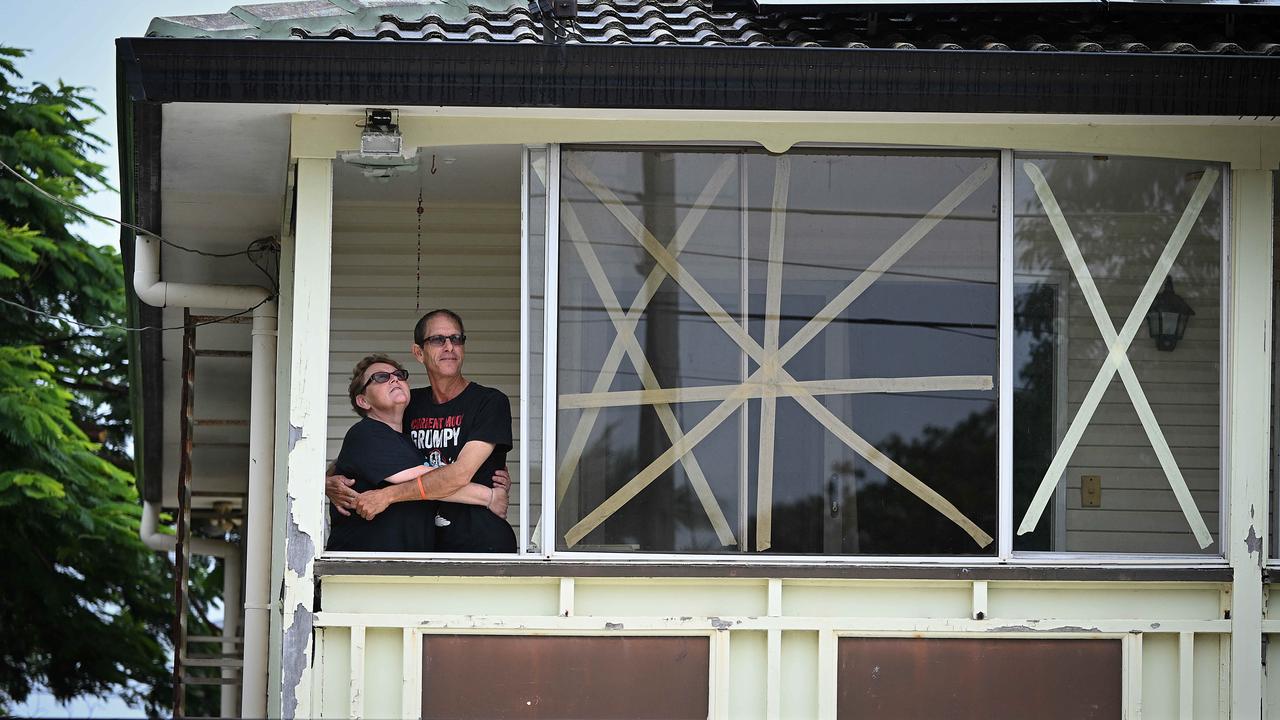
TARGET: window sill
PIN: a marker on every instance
(521, 568)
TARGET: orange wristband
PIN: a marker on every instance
(421, 492)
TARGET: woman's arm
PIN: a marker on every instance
(495, 498)
(444, 481)
(371, 503)
(411, 473)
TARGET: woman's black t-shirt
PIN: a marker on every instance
(439, 431)
(372, 452)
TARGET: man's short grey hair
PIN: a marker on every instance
(420, 330)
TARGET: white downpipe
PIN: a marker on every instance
(256, 599)
(257, 583)
(153, 291)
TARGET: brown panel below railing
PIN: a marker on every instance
(959, 678)
(492, 676)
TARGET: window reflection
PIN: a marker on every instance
(837, 400)
(1121, 214)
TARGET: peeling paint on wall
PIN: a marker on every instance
(295, 434)
(297, 636)
(719, 624)
(1252, 542)
(299, 553)
(299, 548)
(1028, 628)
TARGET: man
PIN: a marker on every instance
(463, 430)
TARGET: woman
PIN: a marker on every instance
(376, 454)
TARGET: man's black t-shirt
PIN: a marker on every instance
(372, 452)
(439, 431)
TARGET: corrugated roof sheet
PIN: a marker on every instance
(698, 22)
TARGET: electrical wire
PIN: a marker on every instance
(121, 223)
(268, 245)
(124, 328)
(271, 246)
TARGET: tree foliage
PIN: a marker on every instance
(88, 605)
(44, 265)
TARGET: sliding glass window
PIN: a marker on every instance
(790, 354)
(1117, 354)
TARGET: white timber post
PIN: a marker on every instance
(298, 526)
(1248, 434)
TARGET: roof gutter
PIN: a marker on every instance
(138, 143)
(375, 73)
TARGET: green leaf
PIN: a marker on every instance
(36, 485)
(70, 513)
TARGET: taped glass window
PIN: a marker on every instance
(790, 354)
(1117, 362)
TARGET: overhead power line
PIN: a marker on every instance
(259, 246)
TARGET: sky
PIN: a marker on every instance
(74, 41)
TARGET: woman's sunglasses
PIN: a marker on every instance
(383, 376)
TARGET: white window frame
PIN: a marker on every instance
(1218, 559)
(550, 350)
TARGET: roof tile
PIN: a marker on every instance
(699, 22)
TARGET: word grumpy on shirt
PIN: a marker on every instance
(435, 432)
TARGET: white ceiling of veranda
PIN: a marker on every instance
(223, 179)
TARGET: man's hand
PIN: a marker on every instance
(500, 498)
(368, 504)
(338, 489)
(502, 477)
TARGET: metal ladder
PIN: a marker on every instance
(216, 651)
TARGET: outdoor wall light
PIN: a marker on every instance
(381, 155)
(381, 134)
(1167, 318)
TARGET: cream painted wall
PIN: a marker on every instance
(526, 606)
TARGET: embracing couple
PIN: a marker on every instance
(424, 469)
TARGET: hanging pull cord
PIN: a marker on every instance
(417, 298)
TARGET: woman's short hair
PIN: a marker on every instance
(357, 378)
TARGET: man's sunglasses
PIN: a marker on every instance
(439, 340)
(383, 376)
